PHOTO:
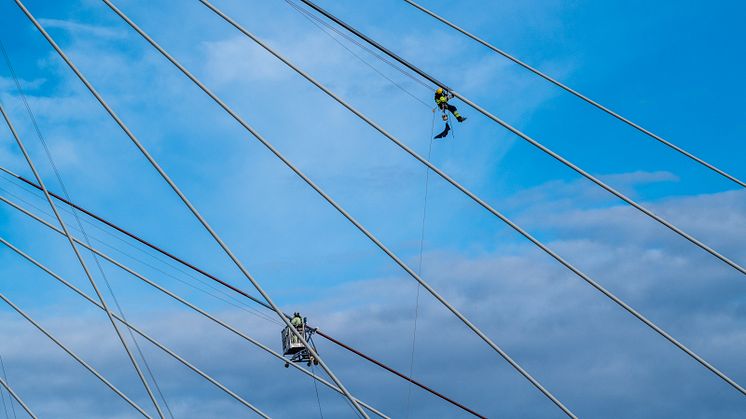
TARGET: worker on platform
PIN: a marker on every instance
(297, 321)
(441, 99)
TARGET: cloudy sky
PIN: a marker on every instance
(673, 67)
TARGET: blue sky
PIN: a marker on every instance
(672, 67)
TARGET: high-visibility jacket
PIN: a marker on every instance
(441, 98)
(296, 321)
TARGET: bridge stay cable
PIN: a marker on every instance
(17, 398)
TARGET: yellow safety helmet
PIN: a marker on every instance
(439, 91)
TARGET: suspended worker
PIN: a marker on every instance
(441, 99)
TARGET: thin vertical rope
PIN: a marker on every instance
(419, 265)
(316, 388)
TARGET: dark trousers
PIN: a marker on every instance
(450, 108)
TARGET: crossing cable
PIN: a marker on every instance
(308, 181)
(5, 376)
(80, 259)
(191, 207)
(133, 328)
(74, 356)
(48, 153)
(496, 213)
(231, 287)
(15, 397)
(577, 94)
(533, 142)
(183, 301)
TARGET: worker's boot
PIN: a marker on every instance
(460, 118)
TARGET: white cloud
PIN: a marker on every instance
(79, 28)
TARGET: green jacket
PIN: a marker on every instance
(296, 321)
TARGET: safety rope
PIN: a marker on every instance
(316, 389)
(419, 264)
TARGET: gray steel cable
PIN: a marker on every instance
(577, 94)
(510, 223)
(360, 227)
(74, 355)
(5, 376)
(133, 328)
(188, 203)
(57, 173)
(15, 397)
(533, 142)
(80, 259)
(184, 302)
